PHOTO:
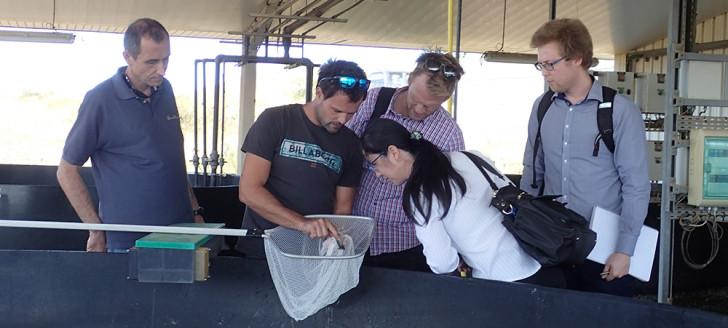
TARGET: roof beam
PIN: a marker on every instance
(275, 35)
(318, 11)
(279, 10)
(304, 9)
(304, 18)
(703, 46)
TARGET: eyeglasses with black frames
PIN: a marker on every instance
(372, 163)
(348, 82)
(548, 66)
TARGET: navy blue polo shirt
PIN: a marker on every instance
(137, 153)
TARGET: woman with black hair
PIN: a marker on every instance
(448, 199)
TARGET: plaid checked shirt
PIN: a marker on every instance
(382, 200)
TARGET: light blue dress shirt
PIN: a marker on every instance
(616, 181)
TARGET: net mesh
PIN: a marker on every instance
(305, 279)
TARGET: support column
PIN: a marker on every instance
(246, 113)
(674, 32)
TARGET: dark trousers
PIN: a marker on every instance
(410, 259)
(586, 277)
(547, 277)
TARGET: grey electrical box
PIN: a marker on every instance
(654, 160)
(707, 80)
(650, 92)
(623, 82)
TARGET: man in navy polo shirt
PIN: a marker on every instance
(129, 126)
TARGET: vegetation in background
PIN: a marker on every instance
(39, 119)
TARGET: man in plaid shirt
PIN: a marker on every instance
(418, 107)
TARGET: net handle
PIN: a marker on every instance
(148, 228)
(126, 228)
(335, 216)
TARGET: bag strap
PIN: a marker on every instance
(604, 121)
(543, 106)
(383, 99)
(480, 164)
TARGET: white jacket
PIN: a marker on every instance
(473, 229)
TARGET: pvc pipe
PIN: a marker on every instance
(122, 227)
(450, 14)
(149, 228)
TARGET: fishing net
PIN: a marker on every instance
(310, 274)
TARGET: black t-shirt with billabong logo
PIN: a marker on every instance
(307, 162)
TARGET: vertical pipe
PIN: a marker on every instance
(286, 47)
(266, 46)
(457, 55)
(222, 122)
(691, 17)
(195, 159)
(664, 282)
(204, 123)
(246, 45)
(450, 14)
(552, 16)
(215, 118)
(302, 47)
(309, 81)
(552, 9)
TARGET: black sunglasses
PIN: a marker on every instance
(348, 82)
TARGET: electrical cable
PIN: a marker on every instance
(715, 231)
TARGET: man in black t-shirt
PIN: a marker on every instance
(301, 159)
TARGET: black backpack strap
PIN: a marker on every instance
(604, 121)
(480, 164)
(383, 99)
(543, 106)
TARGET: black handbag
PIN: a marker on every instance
(544, 228)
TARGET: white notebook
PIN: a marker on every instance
(606, 225)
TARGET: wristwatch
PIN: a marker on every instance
(199, 211)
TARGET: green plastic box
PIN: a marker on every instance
(177, 241)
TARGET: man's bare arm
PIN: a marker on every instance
(69, 177)
(253, 193)
(344, 200)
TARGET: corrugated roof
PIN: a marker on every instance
(616, 25)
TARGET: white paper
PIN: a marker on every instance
(606, 225)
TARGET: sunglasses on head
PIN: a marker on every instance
(348, 82)
(434, 65)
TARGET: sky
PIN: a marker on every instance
(93, 57)
(494, 99)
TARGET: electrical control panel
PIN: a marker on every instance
(708, 168)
